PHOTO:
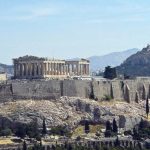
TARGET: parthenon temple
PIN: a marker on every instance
(31, 67)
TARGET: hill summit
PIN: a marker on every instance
(137, 64)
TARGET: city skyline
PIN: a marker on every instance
(70, 29)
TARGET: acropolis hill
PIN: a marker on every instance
(44, 88)
(31, 67)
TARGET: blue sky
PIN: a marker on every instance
(72, 28)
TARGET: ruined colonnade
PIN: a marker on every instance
(34, 68)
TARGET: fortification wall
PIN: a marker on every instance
(129, 90)
(37, 89)
(76, 88)
(6, 92)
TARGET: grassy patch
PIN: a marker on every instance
(93, 129)
(5, 141)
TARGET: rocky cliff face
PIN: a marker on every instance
(137, 64)
(70, 111)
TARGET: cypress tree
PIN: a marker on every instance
(24, 146)
(87, 128)
(147, 107)
(44, 131)
(117, 142)
(108, 126)
(115, 127)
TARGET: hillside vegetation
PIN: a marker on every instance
(136, 65)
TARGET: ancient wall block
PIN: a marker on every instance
(117, 90)
(127, 93)
(77, 88)
(144, 93)
(37, 90)
(101, 88)
(6, 92)
(137, 97)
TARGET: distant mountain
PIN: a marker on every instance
(137, 64)
(112, 59)
(6, 68)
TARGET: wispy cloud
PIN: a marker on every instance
(30, 12)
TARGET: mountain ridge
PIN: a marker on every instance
(100, 62)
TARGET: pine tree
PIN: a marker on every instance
(44, 131)
(115, 127)
(147, 107)
(24, 146)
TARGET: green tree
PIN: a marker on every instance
(115, 127)
(33, 130)
(108, 126)
(110, 73)
(147, 107)
(44, 131)
(20, 130)
(6, 132)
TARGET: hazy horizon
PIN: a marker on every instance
(70, 29)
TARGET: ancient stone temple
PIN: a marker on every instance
(31, 67)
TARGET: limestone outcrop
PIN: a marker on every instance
(71, 111)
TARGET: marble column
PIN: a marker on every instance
(30, 69)
(83, 69)
(86, 69)
(40, 69)
(44, 69)
(19, 69)
(68, 68)
(80, 69)
(34, 69)
(48, 68)
(23, 74)
(57, 68)
(54, 72)
(63, 69)
(51, 69)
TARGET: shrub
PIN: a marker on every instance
(60, 130)
(107, 97)
(6, 132)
